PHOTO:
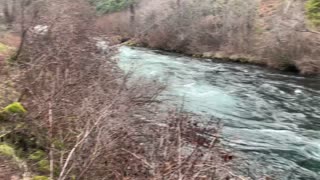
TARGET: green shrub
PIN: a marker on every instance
(108, 6)
(313, 11)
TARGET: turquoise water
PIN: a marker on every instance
(271, 119)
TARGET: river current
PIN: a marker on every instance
(270, 118)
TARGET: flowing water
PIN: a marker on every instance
(271, 118)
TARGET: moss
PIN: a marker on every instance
(44, 166)
(37, 156)
(40, 178)
(313, 11)
(15, 108)
(7, 150)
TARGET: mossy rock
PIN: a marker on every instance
(12, 109)
(15, 108)
(40, 178)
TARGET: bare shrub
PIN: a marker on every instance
(282, 52)
(308, 65)
(289, 41)
(187, 28)
(114, 24)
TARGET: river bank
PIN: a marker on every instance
(216, 56)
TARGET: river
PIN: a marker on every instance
(271, 119)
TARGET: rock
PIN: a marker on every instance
(40, 29)
(219, 55)
(103, 46)
(208, 54)
(235, 57)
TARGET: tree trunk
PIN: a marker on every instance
(132, 17)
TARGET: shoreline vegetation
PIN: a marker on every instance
(279, 34)
(223, 58)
